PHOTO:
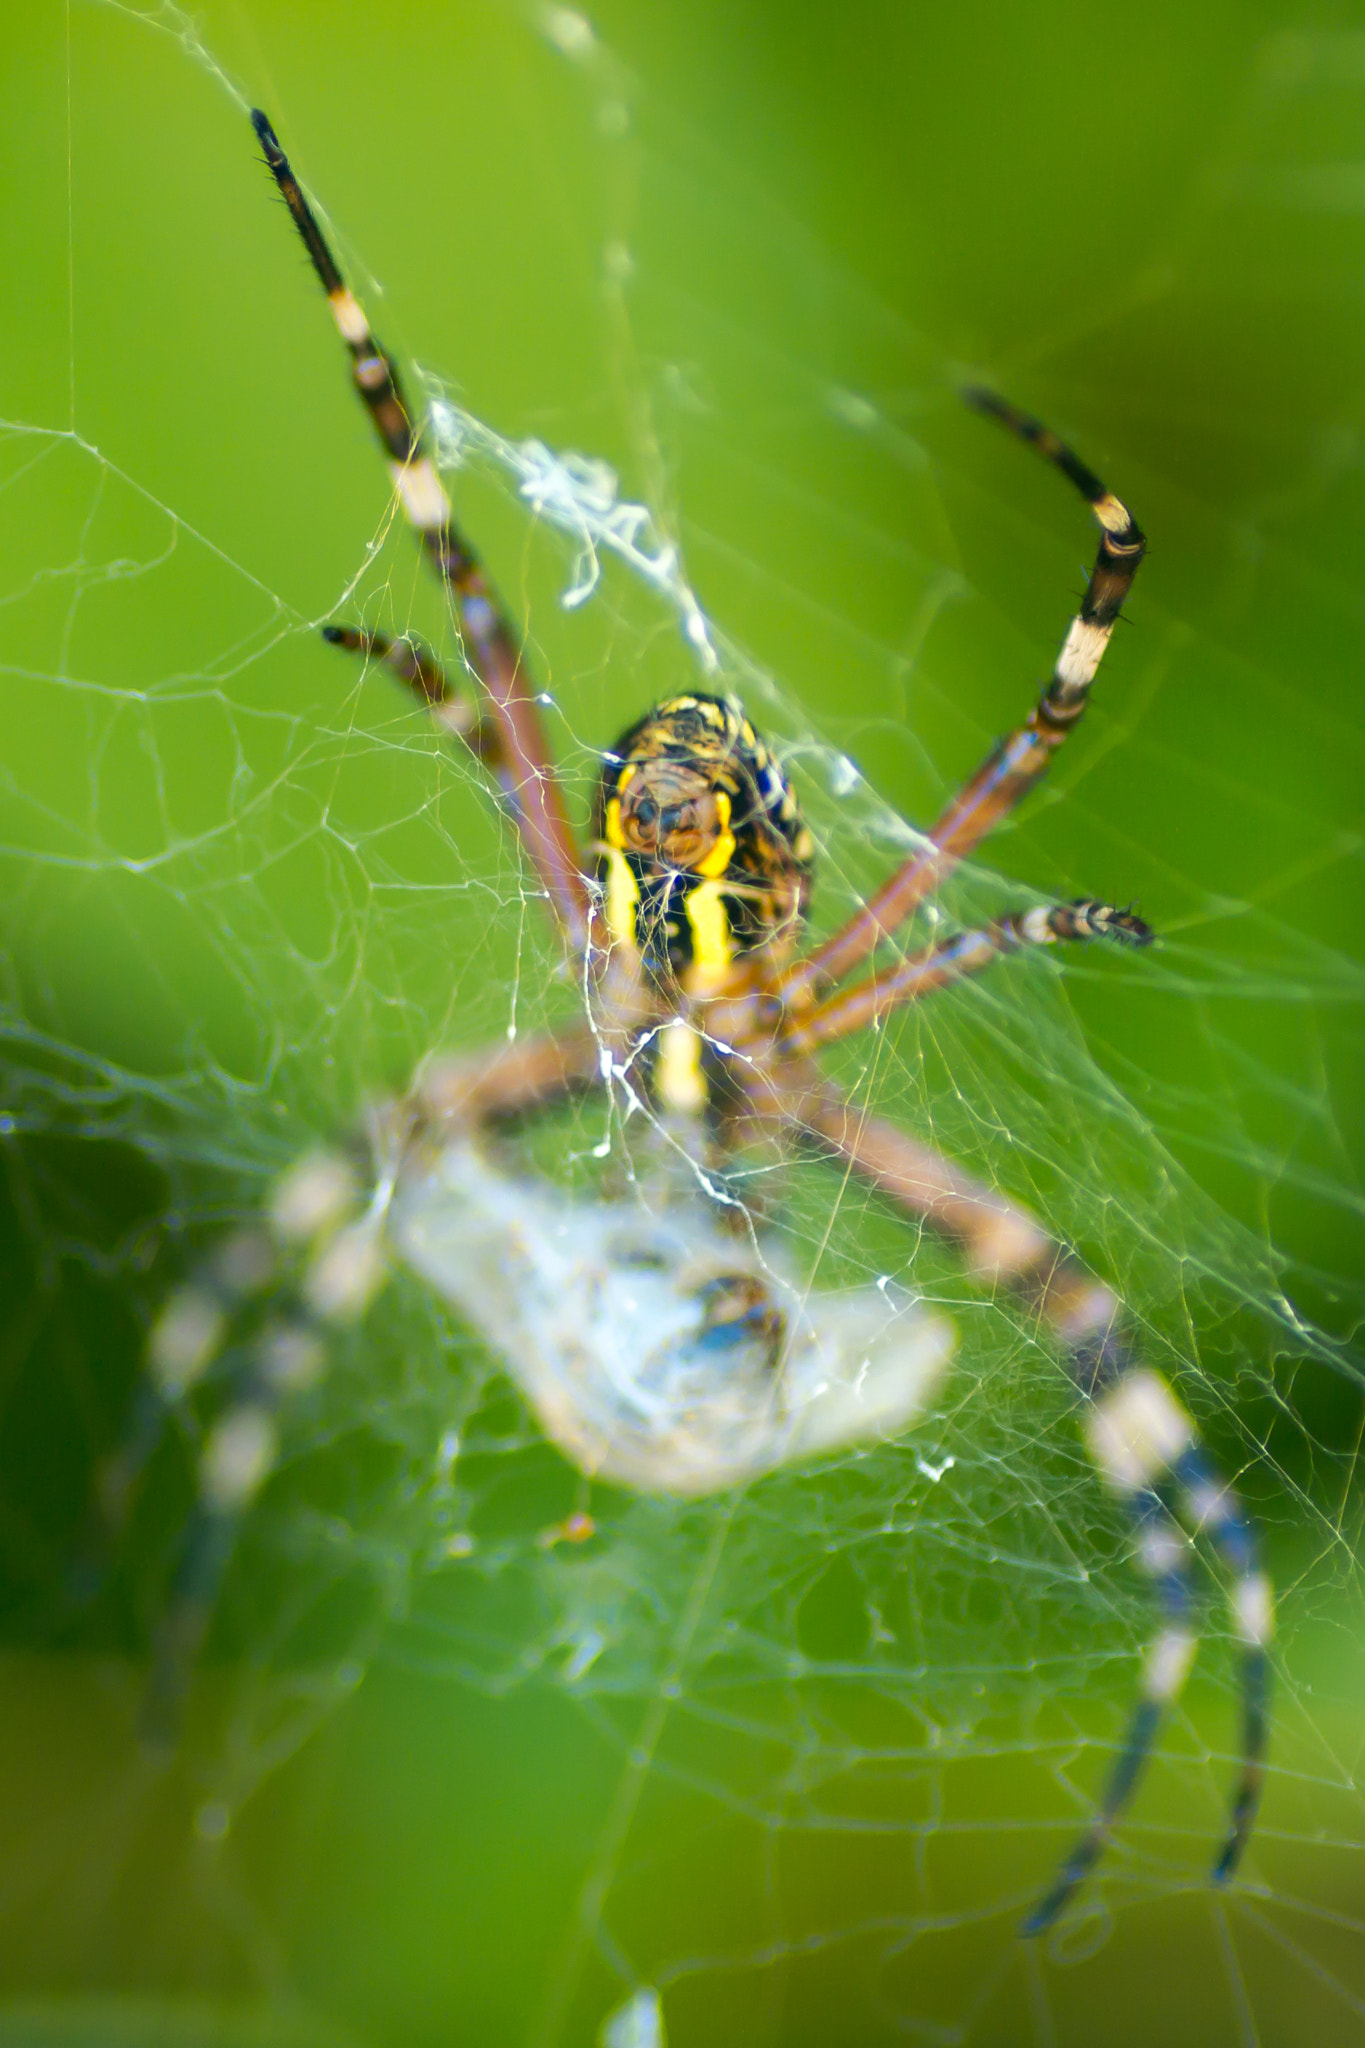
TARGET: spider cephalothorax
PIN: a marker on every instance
(705, 857)
(656, 1348)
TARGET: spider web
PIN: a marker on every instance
(786, 1765)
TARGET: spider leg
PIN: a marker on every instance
(1163, 1552)
(183, 1346)
(328, 1261)
(415, 665)
(1140, 1439)
(470, 1090)
(1016, 764)
(953, 959)
(1211, 1505)
(1139, 1436)
(262, 1313)
(522, 764)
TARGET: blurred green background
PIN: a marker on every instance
(746, 255)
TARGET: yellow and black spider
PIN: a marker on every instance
(662, 1346)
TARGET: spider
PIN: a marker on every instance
(664, 1342)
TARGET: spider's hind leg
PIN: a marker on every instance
(1141, 1440)
(258, 1315)
(1163, 1550)
(1146, 1448)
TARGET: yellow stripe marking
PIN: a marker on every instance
(723, 852)
(713, 947)
(678, 1078)
(623, 895)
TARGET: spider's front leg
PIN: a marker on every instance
(1024, 755)
(951, 960)
(417, 668)
(1140, 1438)
(514, 743)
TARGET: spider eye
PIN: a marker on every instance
(646, 811)
(674, 818)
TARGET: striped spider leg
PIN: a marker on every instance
(518, 754)
(1024, 755)
(1139, 1436)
